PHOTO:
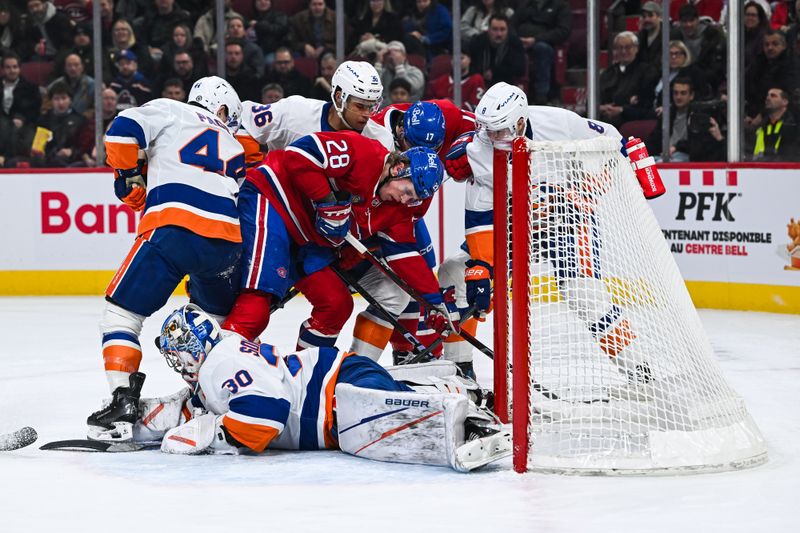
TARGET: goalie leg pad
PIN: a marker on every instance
(400, 427)
(201, 435)
(122, 352)
(159, 415)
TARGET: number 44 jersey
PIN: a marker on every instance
(193, 163)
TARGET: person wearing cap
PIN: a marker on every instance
(706, 41)
(130, 85)
(392, 63)
(650, 34)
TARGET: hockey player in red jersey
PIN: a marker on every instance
(299, 206)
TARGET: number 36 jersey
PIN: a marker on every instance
(284, 402)
(193, 162)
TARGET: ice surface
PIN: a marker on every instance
(51, 378)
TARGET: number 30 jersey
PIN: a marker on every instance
(284, 402)
(193, 162)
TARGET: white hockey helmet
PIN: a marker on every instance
(187, 335)
(212, 92)
(358, 79)
(500, 109)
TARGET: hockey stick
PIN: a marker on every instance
(420, 356)
(386, 269)
(274, 306)
(18, 439)
(86, 445)
(418, 348)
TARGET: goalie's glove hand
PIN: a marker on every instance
(130, 187)
(456, 161)
(333, 220)
(204, 434)
(478, 277)
(443, 316)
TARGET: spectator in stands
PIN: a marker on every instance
(650, 34)
(205, 29)
(155, 28)
(681, 66)
(313, 30)
(682, 97)
(46, 31)
(19, 112)
(182, 41)
(284, 73)
(322, 84)
(184, 69)
(80, 85)
(132, 87)
(123, 38)
(472, 85)
(271, 93)
(705, 8)
(87, 142)
(777, 138)
(271, 28)
(627, 86)
(82, 46)
(11, 30)
(238, 73)
(65, 124)
(107, 18)
(497, 55)
(399, 92)
(428, 29)
(706, 42)
(756, 23)
(253, 56)
(475, 19)
(378, 23)
(392, 63)
(541, 25)
(792, 29)
(126, 9)
(173, 89)
(774, 67)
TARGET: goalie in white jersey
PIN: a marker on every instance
(315, 399)
(503, 114)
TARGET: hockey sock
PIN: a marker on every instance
(314, 333)
(250, 314)
(456, 348)
(370, 335)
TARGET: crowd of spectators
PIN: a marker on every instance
(273, 49)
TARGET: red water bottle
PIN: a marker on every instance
(645, 168)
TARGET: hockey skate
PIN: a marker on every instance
(466, 370)
(486, 442)
(114, 422)
(402, 357)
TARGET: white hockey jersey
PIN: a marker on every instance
(193, 162)
(284, 402)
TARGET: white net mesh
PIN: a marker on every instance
(622, 377)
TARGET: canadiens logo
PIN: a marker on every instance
(376, 202)
(281, 272)
(356, 199)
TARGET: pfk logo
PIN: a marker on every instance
(696, 205)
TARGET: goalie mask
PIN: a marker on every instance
(188, 334)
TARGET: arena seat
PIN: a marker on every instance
(638, 128)
(37, 72)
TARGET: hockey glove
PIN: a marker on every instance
(444, 313)
(478, 277)
(456, 161)
(333, 220)
(202, 435)
(130, 187)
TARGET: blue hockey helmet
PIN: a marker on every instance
(188, 334)
(424, 169)
(423, 125)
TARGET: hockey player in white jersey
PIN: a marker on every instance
(502, 114)
(252, 398)
(356, 93)
(180, 164)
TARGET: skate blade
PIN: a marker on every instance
(121, 432)
(480, 452)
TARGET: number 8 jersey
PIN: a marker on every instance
(193, 162)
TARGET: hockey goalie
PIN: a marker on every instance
(245, 397)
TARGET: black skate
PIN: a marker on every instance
(115, 421)
(640, 375)
(484, 443)
(477, 428)
(466, 370)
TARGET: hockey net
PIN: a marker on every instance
(611, 372)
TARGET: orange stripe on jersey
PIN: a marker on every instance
(175, 216)
(481, 246)
(254, 436)
(331, 442)
(371, 332)
(252, 150)
(140, 240)
(584, 243)
(122, 358)
(122, 155)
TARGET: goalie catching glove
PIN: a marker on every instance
(478, 277)
(333, 220)
(130, 187)
(456, 161)
(204, 434)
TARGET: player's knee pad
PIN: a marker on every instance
(422, 372)
(122, 351)
(400, 427)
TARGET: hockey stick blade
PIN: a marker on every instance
(86, 445)
(18, 439)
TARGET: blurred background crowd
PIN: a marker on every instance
(277, 48)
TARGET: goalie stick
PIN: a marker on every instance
(86, 445)
(18, 439)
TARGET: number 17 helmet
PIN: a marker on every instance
(501, 108)
(188, 334)
(212, 92)
(423, 125)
